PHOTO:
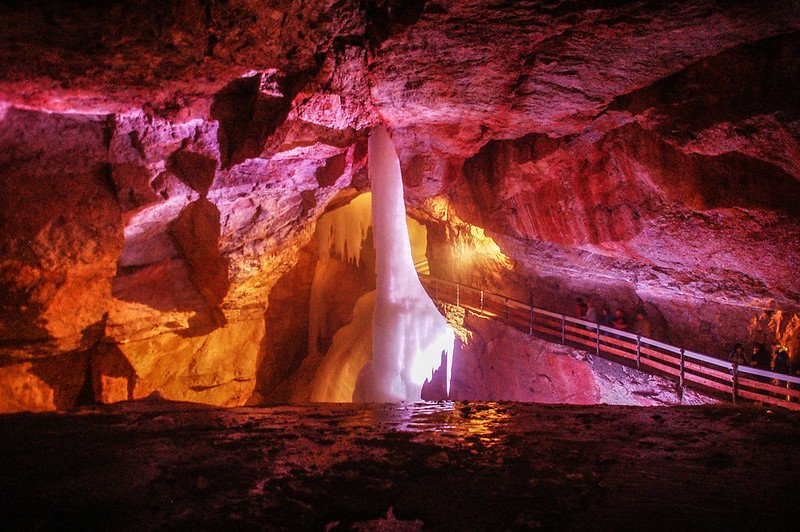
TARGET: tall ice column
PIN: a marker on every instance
(408, 333)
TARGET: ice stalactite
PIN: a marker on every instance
(341, 233)
(408, 333)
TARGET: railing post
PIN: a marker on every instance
(597, 331)
(638, 349)
(530, 327)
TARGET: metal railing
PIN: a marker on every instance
(688, 368)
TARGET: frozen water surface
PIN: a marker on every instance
(451, 466)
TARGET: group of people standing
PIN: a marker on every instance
(761, 357)
(588, 309)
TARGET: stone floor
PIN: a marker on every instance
(458, 466)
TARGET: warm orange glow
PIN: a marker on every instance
(341, 232)
(481, 425)
(484, 424)
(418, 234)
(439, 208)
(335, 379)
(472, 246)
(477, 426)
(470, 243)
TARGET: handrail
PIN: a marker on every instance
(612, 330)
(547, 313)
(717, 361)
(664, 346)
(691, 368)
(769, 374)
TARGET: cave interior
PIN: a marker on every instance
(186, 220)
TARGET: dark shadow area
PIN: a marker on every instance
(249, 110)
(86, 395)
(389, 17)
(19, 313)
(194, 169)
(113, 378)
(67, 41)
(131, 184)
(203, 323)
(737, 180)
(332, 170)
(435, 388)
(285, 343)
(73, 376)
(67, 376)
(704, 182)
(751, 79)
(454, 466)
(196, 233)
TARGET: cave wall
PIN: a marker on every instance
(662, 178)
(153, 200)
(164, 163)
(500, 363)
(648, 215)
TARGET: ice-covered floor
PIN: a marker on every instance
(461, 466)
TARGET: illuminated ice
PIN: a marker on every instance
(408, 333)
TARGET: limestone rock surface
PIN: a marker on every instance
(500, 363)
(163, 166)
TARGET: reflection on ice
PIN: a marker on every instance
(445, 422)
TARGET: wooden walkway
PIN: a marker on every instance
(694, 370)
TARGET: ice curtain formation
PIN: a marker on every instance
(410, 339)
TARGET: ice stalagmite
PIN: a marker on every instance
(408, 333)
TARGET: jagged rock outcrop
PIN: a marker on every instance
(164, 164)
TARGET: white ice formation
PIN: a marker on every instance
(408, 333)
(341, 232)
